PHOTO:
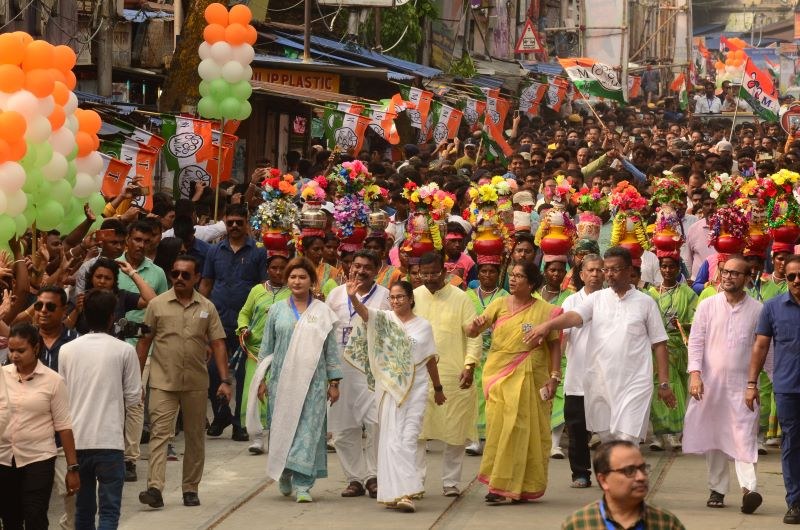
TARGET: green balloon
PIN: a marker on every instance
(230, 107)
(44, 153)
(7, 229)
(220, 89)
(22, 224)
(204, 88)
(244, 110)
(29, 160)
(61, 192)
(34, 181)
(97, 203)
(207, 107)
(72, 172)
(242, 90)
(73, 155)
(50, 215)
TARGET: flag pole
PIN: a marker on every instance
(589, 104)
(219, 168)
(736, 99)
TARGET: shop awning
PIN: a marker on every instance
(299, 93)
(276, 61)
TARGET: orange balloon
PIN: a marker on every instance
(95, 142)
(12, 126)
(5, 151)
(38, 54)
(57, 75)
(12, 51)
(236, 34)
(23, 37)
(240, 14)
(60, 93)
(57, 117)
(71, 80)
(16, 150)
(39, 82)
(89, 121)
(12, 78)
(216, 13)
(214, 33)
(64, 57)
(252, 35)
(85, 143)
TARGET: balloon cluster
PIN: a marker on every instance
(733, 67)
(49, 166)
(226, 54)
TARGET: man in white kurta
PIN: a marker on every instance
(448, 309)
(625, 328)
(356, 409)
(718, 422)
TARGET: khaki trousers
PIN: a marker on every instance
(134, 422)
(164, 406)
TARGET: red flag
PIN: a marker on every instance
(115, 172)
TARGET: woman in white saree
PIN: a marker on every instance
(394, 349)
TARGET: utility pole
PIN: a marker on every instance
(377, 12)
(307, 32)
(105, 48)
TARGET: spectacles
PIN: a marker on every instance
(50, 306)
(235, 222)
(726, 273)
(397, 297)
(613, 270)
(792, 276)
(184, 275)
(630, 471)
(518, 276)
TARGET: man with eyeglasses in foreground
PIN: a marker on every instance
(182, 322)
(718, 424)
(625, 331)
(623, 475)
(779, 324)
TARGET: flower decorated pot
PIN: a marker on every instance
(759, 241)
(487, 242)
(419, 244)
(788, 233)
(556, 242)
(667, 240)
(631, 243)
(355, 239)
(728, 244)
(312, 216)
(378, 221)
(275, 239)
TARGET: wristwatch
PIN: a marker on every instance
(663, 386)
(74, 467)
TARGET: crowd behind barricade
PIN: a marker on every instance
(663, 247)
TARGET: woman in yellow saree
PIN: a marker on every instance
(518, 383)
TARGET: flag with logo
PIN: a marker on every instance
(496, 111)
(530, 97)
(115, 172)
(495, 151)
(345, 130)
(556, 93)
(381, 122)
(188, 141)
(421, 101)
(445, 122)
(142, 162)
(137, 134)
(474, 110)
(594, 78)
(759, 92)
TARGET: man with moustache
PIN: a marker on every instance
(356, 410)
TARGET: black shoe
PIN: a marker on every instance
(190, 498)
(793, 515)
(216, 428)
(151, 497)
(240, 434)
(751, 501)
(130, 472)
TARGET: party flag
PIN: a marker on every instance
(382, 123)
(496, 110)
(759, 92)
(445, 122)
(493, 149)
(421, 100)
(474, 110)
(137, 134)
(115, 173)
(142, 162)
(594, 78)
(188, 141)
(530, 98)
(345, 130)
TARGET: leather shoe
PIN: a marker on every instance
(151, 497)
(372, 487)
(240, 434)
(130, 472)
(215, 429)
(793, 515)
(354, 489)
(190, 498)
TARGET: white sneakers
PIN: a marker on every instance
(260, 442)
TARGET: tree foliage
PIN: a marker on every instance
(394, 22)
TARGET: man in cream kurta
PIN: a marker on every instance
(356, 408)
(448, 309)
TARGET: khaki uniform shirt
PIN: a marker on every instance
(180, 336)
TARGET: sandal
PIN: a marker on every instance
(716, 500)
(372, 487)
(354, 489)
(581, 482)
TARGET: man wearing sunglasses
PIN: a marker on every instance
(623, 475)
(718, 424)
(232, 267)
(779, 325)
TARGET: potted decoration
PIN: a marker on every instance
(755, 194)
(505, 207)
(591, 204)
(668, 195)
(312, 218)
(374, 196)
(723, 187)
(274, 217)
(728, 230)
(427, 223)
(557, 232)
(627, 229)
(491, 234)
(350, 211)
(783, 212)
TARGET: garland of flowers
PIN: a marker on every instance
(431, 202)
(544, 225)
(776, 219)
(667, 219)
(626, 198)
(668, 190)
(619, 229)
(562, 192)
(731, 220)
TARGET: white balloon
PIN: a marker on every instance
(208, 69)
(38, 130)
(3, 202)
(204, 51)
(46, 105)
(71, 105)
(72, 123)
(243, 54)
(98, 182)
(84, 185)
(232, 72)
(16, 203)
(91, 163)
(25, 103)
(221, 52)
(12, 177)
(57, 168)
(247, 75)
(63, 141)
(4, 100)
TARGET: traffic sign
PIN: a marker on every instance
(529, 41)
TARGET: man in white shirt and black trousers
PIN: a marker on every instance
(103, 379)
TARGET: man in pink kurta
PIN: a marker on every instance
(718, 422)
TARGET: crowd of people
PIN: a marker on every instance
(123, 336)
